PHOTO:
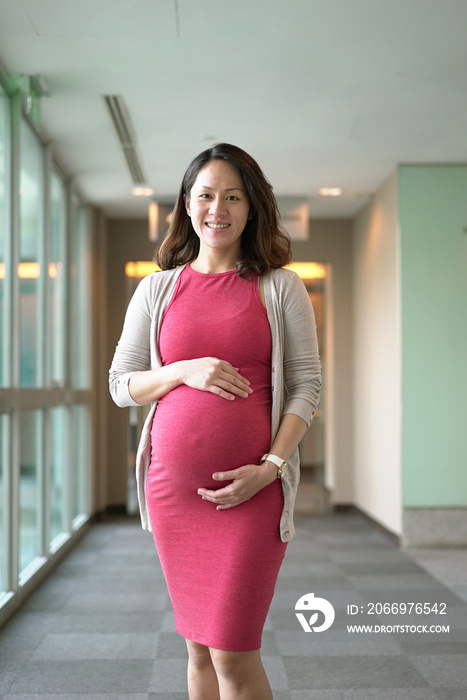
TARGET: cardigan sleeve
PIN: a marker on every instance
(133, 353)
(301, 364)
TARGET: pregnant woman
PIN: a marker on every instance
(222, 343)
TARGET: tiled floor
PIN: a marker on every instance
(101, 628)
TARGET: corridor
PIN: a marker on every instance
(101, 627)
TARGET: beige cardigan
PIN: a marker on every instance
(296, 374)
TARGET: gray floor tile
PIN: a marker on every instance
(433, 593)
(443, 671)
(352, 672)
(394, 582)
(376, 567)
(108, 622)
(171, 646)
(122, 602)
(67, 696)
(83, 677)
(450, 694)
(168, 675)
(367, 694)
(275, 669)
(167, 696)
(335, 643)
(423, 647)
(96, 646)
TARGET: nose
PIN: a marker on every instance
(217, 206)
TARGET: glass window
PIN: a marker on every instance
(58, 480)
(80, 463)
(4, 228)
(30, 488)
(4, 461)
(57, 282)
(80, 298)
(31, 202)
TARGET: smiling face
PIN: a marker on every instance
(218, 205)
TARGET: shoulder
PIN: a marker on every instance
(153, 283)
(284, 281)
(155, 288)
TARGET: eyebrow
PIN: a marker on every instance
(229, 189)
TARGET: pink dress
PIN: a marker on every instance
(220, 566)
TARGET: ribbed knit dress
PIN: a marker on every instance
(220, 566)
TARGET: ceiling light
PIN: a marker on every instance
(118, 114)
(308, 270)
(140, 268)
(142, 191)
(331, 191)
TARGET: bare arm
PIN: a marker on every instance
(206, 374)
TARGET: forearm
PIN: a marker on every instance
(292, 428)
(151, 385)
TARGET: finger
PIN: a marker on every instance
(218, 496)
(228, 390)
(225, 476)
(234, 376)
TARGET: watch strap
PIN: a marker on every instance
(280, 463)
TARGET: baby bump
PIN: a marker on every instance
(196, 433)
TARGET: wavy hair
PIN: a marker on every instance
(265, 245)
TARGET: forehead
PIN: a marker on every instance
(219, 174)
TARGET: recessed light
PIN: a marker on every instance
(330, 191)
(142, 191)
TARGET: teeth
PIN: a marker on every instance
(217, 225)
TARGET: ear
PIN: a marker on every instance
(187, 204)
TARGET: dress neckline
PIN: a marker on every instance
(212, 274)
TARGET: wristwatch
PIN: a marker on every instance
(280, 463)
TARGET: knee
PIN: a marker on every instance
(198, 655)
(232, 665)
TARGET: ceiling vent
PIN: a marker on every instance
(121, 122)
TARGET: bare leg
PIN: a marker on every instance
(241, 675)
(202, 679)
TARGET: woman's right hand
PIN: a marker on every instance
(205, 373)
(215, 375)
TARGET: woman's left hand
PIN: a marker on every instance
(246, 481)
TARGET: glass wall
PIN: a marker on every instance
(57, 282)
(80, 464)
(58, 502)
(3, 503)
(45, 393)
(4, 211)
(30, 498)
(29, 268)
(80, 311)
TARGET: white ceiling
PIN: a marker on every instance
(320, 93)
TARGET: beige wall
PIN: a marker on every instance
(377, 365)
(330, 242)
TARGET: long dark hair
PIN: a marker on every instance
(264, 243)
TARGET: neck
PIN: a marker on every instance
(212, 264)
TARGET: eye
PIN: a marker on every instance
(233, 198)
(204, 195)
